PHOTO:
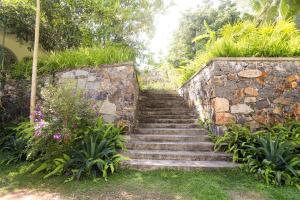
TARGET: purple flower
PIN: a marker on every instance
(37, 133)
(57, 136)
(42, 124)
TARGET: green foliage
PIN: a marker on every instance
(246, 39)
(272, 10)
(92, 153)
(162, 77)
(272, 154)
(275, 160)
(68, 137)
(184, 46)
(71, 23)
(74, 58)
(12, 142)
(235, 141)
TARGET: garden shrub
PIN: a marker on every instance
(247, 39)
(69, 137)
(73, 59)
(11, 144)
(272, 153)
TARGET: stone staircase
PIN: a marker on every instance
(168, 137)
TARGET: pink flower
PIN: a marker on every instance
(57, 136)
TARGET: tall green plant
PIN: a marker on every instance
(246, 39)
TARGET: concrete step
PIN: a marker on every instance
(177, 155)
(163, 106)
(169, 131)
(177, 121)
(162, 112)
(168, 138)
(159, 97)
(176, 165)
(167, 108)
(154, 94)
(175, 146)
(167, 125)
(142, 117)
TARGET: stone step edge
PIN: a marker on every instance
(142, 164)
(181, 153)
(166, 135)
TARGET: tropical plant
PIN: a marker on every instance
(71, 23)
(272, 153)
(183, 48)
(93, 153)
(246, 39)
(235, 141)
(11, 144)
(272, 10)
(74, 58)
(96, 156)
(275, 160)
(62, 117)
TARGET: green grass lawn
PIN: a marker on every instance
(127, 184)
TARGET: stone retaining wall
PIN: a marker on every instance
(114, 88)
(252, 91)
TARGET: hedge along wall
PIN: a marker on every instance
(253, 91)
(113, 87)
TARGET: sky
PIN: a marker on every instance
(167, 24)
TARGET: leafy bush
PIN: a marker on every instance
(12, 145)
(68, 137)
(64, 114)
(74, 58)
(276, 161)
(273, 153)
(93, 153)
(246, 39)
(235, 141)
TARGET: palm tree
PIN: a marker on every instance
(274, 10)
(34, 62)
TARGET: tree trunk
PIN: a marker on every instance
(34, 62)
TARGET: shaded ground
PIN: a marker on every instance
(16, 184)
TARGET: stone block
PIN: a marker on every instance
(238, 96)
(241, 109)
(250, 99)
(293, 85)
(264, 103)
(93, 85)
(293, 77)
(277, 110)
(250, 73)
(250, 91)
(261, 118)
(108, 108)
(80, 72)
(220, 104)
(232, 76)
(68, 75)
(282, 101)
(81, 83)
(297, 109)
(254, 125)
(224, 118)
(91, 78)
(219, 80)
